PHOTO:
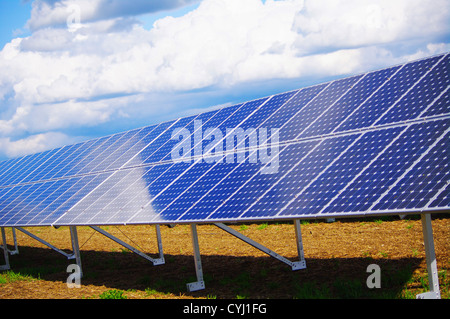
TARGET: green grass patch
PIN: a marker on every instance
(348, 288)
(311, 290)
(11, 276)
(263, 226)
(113, 294)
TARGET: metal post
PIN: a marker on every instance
(199, 284)
(433, 279)
(16, 248)
(298, 236)
(75, 247)
(6, 266)
(159, 241)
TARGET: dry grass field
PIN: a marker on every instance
(337, 256)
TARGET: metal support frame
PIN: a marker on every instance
(76, 248)
(433, 279)
(6, 266)
(295, 265)
(16, 249)
(155, 261)
(299, 241)
(199, 284)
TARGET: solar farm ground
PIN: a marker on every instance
(337, 256)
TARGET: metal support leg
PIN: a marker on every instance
(6, 266)
(16, 248)
(159, 241)
(433, 279)
(199, 284)
(298, 236)
(76, 247)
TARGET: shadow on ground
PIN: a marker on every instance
(225, 276)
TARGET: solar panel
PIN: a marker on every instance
(374, 143)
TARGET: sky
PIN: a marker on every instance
(72, 70)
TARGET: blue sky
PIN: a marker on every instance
(13, 16)
(72, 70)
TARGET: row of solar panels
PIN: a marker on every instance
(372, 143)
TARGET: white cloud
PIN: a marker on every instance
(48, 13)
(34, 143)
(328, 24)
(61, 78)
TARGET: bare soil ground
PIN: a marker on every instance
(337, 255)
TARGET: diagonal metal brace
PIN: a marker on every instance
(155, 261)
(69, 256)
(295, 265)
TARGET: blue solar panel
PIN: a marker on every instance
(375, 143)
(421, 96)
(387, 97)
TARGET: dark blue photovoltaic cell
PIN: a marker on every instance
(53, 196)
(101, 153)
(302, 173)
(124, 207)
(67, 164)
(441, 105)
(372, 143)
(349, 103)
(152, 153)
(243, 184)
(55, 167)
(5, 194)
(422, 182)
(158, 176)
(19, 198)
(147, 142)
(134, 146)
(117, 150)
(89, 154)
(21, 175)
(11, 169)
(58, 168)
(33, 204)
(397, 85)
(443, 199)
(50, 216)
(296, 103)
(316, 107)
(388, 167)
(50, 163)
(332, 180)
(18, 212)
(263, 114)
(424, 93)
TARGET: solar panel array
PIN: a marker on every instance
(374, 143)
